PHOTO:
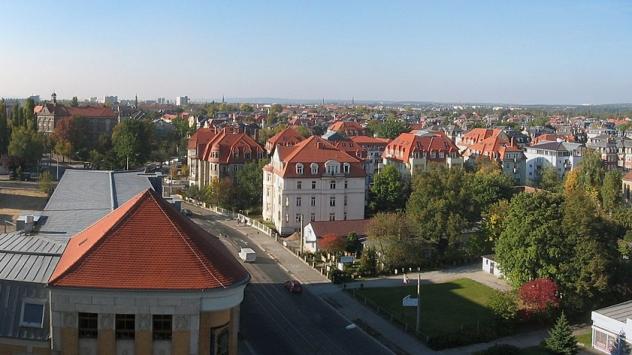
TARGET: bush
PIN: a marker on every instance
(500, 349)
(338, 276)
(466, 336)
(504, 305)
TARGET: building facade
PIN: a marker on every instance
(561, 156)
(312, 181)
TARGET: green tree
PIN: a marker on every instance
(391, 236)
(246, 107)
(276, 108)
(611, 191)
(368, 262)
(561, 339)
(28, 114)
(353, 244)
(549, 180)
(130, 142)
(46, 182)
(74, 102)
(391, 128)
(531, 245)
(389, 191)
(248, 185)
(4, 128)
(26, 145)
(592, 172)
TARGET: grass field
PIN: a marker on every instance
(585, 339)
(445, 307)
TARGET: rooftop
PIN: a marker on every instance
(620, 312)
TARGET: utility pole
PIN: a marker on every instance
(418, 325)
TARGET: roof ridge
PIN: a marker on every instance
(197, 256)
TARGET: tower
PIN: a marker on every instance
(136, 101)
(54, 98)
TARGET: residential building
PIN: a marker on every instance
(313, 232)
(374, 148)
(195, 149)
(224, 154)
(348, 128)
(312, 181)
(608, 149)
(287, 138)
(100, 119)
(561, 156)
(496, 146)
(182, 100)
(609, 324)
(414, 152)
(109, 100)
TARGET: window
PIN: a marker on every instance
(299, 185)
(332, 184)
(312, 217)
(345, 216)
(332, 201)
(219, 341)
(332, 216)
(313, 201)
(287, 218)
(313, 185)
(32, 314)
(345, 200)
(299, 169)
(161, 328)
(88, 325)
(298, 202)
(314, 168)
(298, 218)
(125, 326)
(287, 201)
(346, 184)
(346, 167)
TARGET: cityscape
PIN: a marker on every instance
(440, 177)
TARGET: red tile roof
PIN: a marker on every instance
(147, 244)
(227, 143)
(287, 137)
(349, 128)
(477, 135)
(316, 150)
(493, 147)
(405, 144)
(366, 140)
(201, 137)
(340, 228)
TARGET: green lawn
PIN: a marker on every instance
(585, 338)
(445, 307)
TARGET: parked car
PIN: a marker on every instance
(187, 212)
(248, 255)
(293, 286)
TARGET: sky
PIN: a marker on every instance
(504, 51)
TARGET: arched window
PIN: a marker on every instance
(299, 169)
(314, 168)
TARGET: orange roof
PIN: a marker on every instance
(406, 143)
(287, 137)
(201, 136)
(147, 244)
(477, 135)
(493, 147)
(227, 143)
(316, 150)
(547, 137)
(350, 128)
(362, 140)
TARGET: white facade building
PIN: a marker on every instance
(182, 100)
(562, 156)
(312, 181)
(491, 266)
(611, 323)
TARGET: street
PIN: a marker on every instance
(273, 321)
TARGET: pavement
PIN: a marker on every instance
(273, 321)
(349, 309)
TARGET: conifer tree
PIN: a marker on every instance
(561, 339)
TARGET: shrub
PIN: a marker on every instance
(539, 297)
(504, 305)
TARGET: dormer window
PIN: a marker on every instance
(346, 168)
(299, 169)
(314, 168)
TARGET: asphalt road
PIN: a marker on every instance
(273, 321)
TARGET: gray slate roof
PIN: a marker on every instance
(620, 312)
(12, 295)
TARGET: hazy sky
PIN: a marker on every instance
(477, 51)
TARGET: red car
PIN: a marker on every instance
(293, 286)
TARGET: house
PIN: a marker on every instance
(607, 148)
(561, 156)
(414, 152)
(610, 323)
(495, 145)
(348, 128)
(225, 153)
(491, 266)
(312, 181)
(287, 138)
(313, 232)
(100, 119)
(374, 148)
(195, 149)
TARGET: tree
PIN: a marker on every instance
(26, 145)
(549, 180)
(391, 128)
(4, 128)
(28, 114)
(246, 107)
(561, 340)
(74, 102)
(353, 244)
(592, 171)
(539, 296)
(611, 191)
(46, 182)
(391, 236)
(504, 305)
(530, 245)
(130, 140)
(248, 185)
(389, 191)
(368, 262)
(276, 108)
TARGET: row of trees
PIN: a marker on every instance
(438, 218)
(569, 234)
(18, 135)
